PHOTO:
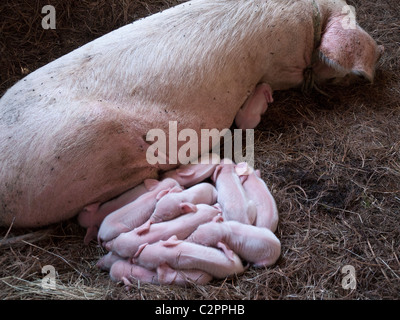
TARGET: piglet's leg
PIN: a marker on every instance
(249, 116)
(90, 219)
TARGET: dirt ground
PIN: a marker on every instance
(333, 165)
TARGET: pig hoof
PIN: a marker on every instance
(91, 234)
(127, 283)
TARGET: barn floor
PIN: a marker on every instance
(333, 165)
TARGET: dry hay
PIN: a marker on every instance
(333, 165)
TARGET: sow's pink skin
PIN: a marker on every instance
(133, 214)
(258, 192)
(127, 244)
(231, 196)
(93, 215)
(182, 255)
(249, 115)
(172, 203)
(256, 245)
(257, 44)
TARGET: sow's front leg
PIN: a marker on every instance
(249, 116)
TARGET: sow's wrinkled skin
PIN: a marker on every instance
(182, 255)
(232, 198)
(127, 244)
(73, 132)
(256, 245)
(133, 214)
(174, 202)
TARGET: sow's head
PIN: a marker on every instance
(346, 53)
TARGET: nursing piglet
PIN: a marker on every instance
(172, 203)
(127, 244)
(258, 192)
(231, 196)
(126, 271)
(93, 215)
(135, 213)
(256, 245)
(249, 115)
(184, 255)
(123, 270)
(191, 174)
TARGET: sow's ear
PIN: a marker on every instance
(349, 49)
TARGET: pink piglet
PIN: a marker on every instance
(232, 197)
(135, 213)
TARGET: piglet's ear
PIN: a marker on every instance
(188, 207)
(161, 194)
(349, 48)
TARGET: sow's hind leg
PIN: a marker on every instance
(90, 155)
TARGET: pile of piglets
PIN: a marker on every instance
(181, 229)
